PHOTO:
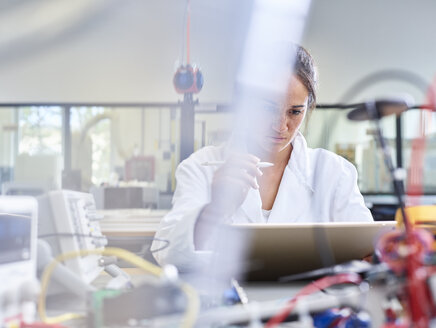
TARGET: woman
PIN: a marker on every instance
(303, 185)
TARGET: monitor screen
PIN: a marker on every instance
(15, 237)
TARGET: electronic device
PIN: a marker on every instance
(13, 188)
(188, 79)
(41, 170)
(141, 168)
(278, 250)
(128, 196)
(6, 174)
(69, 222)
(18, 235)
(141, 305)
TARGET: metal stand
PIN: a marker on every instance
(187, 126)
(397, 174)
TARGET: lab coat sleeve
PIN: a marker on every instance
(349, 204)
(177, 227)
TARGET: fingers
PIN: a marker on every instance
(244, 162)
(233, 180)
(244, 176)
(230, 191)
(243, 179)
(231, 175)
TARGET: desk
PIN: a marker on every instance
(131, 229)
(131, 222)
(265, 291)
(265, 299)
(127, 228)
(135, 224)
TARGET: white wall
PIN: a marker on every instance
(125, 51)
(351, 39)
(118, 51)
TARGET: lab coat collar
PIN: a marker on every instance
(296, 187)
(299, 159)
(300, 163)
(252, 208)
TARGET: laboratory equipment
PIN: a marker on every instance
(140, 168)
(18, 231)
(69, 222)
(137, 195)
(42, 170)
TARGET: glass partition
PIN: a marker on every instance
(330, 129)
(112, 146)
(137, 147)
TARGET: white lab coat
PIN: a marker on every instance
(317, 186)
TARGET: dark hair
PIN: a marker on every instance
(305, 70)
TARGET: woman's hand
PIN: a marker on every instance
(231, 183)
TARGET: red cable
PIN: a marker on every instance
(415, 176)
(325, 282)
(420, 304)
(417, 243)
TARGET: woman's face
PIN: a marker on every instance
(279, 123)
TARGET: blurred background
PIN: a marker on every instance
(88, 103)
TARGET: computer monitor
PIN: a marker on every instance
(18, 235)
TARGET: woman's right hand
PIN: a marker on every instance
(231, 183)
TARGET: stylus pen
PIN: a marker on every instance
(218, 163)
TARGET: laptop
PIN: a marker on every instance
(280, 250)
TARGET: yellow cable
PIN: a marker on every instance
(193, 306)
(193, 302)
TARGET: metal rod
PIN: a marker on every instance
(215, 107)
(187, 126)
(396, 181)
(399, 141)
(67, 139)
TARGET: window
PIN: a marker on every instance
(40, 130)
